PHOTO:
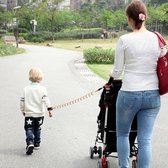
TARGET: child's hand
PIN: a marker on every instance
(49, 111)
(50, 114)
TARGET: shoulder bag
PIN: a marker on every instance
(162, 67)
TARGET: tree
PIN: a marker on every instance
(5, 20)
(26, 15)
(163, 10)
(119, 19)
(63, 20)
(157, 2)
(158, 17)
(86, 17)
(107, 18)
(51, 7)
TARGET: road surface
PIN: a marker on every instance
(68, 135)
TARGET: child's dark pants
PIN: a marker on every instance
(33, 129)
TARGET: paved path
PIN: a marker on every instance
(67, 136)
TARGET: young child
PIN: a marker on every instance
(33, 105)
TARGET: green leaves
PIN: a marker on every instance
(99, 56)
(6, 49)
(103, 14)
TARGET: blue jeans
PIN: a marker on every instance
(33, 129)
(146, 105)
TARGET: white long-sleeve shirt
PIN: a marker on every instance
(137, 54)
(34, 101)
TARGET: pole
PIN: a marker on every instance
(16, 32)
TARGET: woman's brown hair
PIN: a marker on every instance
(135, 10)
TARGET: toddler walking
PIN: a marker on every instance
(33, 105)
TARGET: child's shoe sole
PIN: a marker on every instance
(29, 149)
(36, 146)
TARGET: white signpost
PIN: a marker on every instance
(34, 23)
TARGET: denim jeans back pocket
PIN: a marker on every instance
(154, 101)
(128, 101)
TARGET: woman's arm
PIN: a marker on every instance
(119, 60)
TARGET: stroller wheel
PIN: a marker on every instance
(134, 164)
(91, 152)
(100, 151)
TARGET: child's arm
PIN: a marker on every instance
(46, 100)
(22, 105)
(47, 103)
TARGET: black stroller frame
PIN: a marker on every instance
(106, 133)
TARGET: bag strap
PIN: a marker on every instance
(161, 40)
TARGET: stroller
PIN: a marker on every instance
(106, 133)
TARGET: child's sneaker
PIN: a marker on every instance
(37, 146)
(29, 149)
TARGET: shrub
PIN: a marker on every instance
(35, 37)
(80, 34)
(100, 56)
(2, 31)
(23, 30)
(7, 49)
(24, 35)
(71, 34)
(37, 40)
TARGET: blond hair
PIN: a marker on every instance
(35, 75)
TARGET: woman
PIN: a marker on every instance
(136, 54)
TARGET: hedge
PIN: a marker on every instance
(99, 56)
(71, 34)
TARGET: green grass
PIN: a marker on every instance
(7, 49)
(80, 45)
(102, 70)
(20, 51)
